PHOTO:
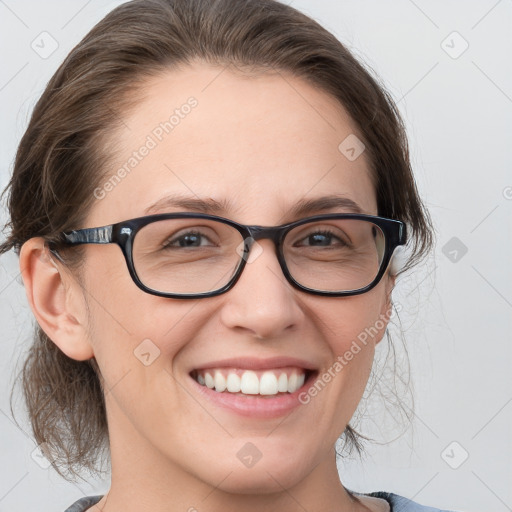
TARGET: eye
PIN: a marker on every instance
(322, 238)
(187, 239)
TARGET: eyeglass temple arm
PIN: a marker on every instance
(102, 235)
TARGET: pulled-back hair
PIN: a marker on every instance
(61, 159)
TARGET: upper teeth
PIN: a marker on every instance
(269, 382)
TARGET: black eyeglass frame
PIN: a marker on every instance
(123, 234)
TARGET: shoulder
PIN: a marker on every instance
(401, 503)
(84, 503)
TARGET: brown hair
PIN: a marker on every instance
(61, 157)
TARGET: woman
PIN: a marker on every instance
(207, 205)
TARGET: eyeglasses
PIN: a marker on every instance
(193, 255)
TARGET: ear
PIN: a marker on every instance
(385, 312)
(56, 299)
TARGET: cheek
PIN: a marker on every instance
(132, 331)
(137, 341)
(354, 323)
(352, 326)
(142, 331)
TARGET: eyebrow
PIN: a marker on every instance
(218, 207)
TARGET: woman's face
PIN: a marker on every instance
(263, 144)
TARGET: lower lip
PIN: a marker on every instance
(255, 406)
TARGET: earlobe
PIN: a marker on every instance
(54, 299)
(387, 306)
(391, 280)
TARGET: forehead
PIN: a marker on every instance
(260, 143)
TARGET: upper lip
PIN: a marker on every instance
(255, 363)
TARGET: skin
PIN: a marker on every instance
(264, 143)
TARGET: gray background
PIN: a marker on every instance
(456, 309)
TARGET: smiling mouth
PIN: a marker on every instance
(237, 381)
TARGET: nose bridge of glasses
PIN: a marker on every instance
(258, 233)
(264, 232)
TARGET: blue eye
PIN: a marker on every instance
(323, 238)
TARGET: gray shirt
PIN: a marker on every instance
(396, 503)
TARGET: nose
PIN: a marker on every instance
(262, 302)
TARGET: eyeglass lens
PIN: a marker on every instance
(190, 255)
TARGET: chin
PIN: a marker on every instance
(262, 478)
